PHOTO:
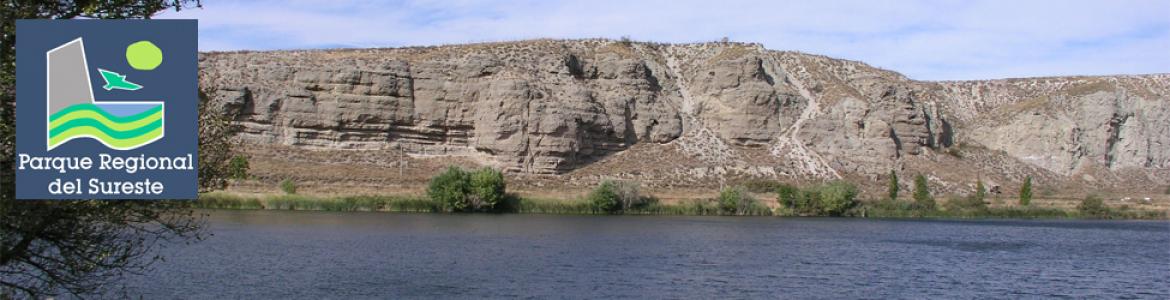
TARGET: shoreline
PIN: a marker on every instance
(532, 205)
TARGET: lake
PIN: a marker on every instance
(286, 254)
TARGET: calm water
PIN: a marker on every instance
(266, 254)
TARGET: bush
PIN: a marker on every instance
(451, 188)
(836, 197)
(830, 199)
(973, 202)
(787, 195)
(732, 200)
(1093, 206)
(488, 190)
(1026, 191)
(288, 186)
(238, 167)
(616, 197)
(922, 198)
(604, 198)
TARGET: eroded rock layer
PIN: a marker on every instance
(557, 107)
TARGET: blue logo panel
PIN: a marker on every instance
(106, 109)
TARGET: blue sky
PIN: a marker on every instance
(928, 40)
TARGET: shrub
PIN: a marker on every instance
(628, 194)
(922, 198)
(604, 198)
(972, 202)
(288, 186)
(787, 195)
(1093, 206)
(238, 167)
(836, 197)
(733, 199)
(1026, 191)
(451, 188)
(892, 189)
(487, 189)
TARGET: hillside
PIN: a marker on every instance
(561, 113)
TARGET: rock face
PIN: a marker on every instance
(557, 107)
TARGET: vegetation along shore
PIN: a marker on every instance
(457, 190)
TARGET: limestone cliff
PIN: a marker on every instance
(709, 111)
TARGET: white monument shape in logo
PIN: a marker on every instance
(71, 111)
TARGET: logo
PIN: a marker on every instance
(106, 109)
(73, 113)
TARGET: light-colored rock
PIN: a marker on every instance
(553, 107)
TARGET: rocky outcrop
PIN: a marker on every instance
(554, 107)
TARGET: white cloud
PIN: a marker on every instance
(923, 39)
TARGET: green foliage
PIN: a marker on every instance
(836, 197)
(980, 191)
(831, 199)
(1026, 191)
(734, 200)
(972, 202)
(238, 167)
(787, 195)
(604, 198)
(488, 189)
(461, 191)
(288, 186)
(615, 197)
(922, 197)
(451, 188)
(893, 188)
(1093, 207)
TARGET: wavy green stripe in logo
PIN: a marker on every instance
(112, 142)
(117, 134)
(92, 115)
(95, 108)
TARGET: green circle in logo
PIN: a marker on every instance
(144, 55)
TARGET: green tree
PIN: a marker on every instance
(787, 195)
(49, 248)
(980, 191)
(451, 188)
(604, 198)
(488, 189)
(1026, 192)
(734, 200)
(837, 197)
(922, 197)
(893, 188)
(238, 167)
